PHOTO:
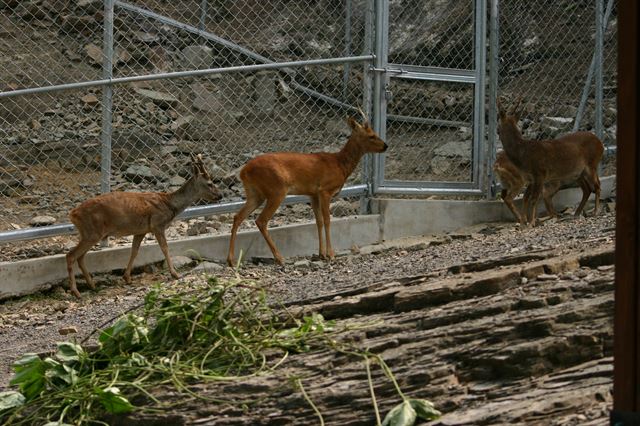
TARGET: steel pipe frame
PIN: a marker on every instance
(192, 212)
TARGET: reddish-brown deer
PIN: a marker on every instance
(513, 180)
(570, 158)
(321, 175)
(135, 213)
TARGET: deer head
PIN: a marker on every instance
(201, 182)
(364, 136)
(508, 121)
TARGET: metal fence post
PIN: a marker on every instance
(479, 163)
(599, 47)
(367, 88)
(494, 64)
(347, 49)
(203, 15)
(587, 84)
(107, 97)
(380, 82)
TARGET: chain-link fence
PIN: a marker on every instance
(547, 56)
(94, 100)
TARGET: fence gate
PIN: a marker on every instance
(430, 77)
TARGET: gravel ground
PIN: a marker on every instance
(35, 323)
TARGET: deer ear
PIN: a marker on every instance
(501, 113)
(353, 123)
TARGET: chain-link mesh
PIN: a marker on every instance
(430, 123)
(430, 131)
(546, 50)
(50, 144)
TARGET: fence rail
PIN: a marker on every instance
(103, 95)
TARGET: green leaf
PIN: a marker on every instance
(69, 352)
(425, 409)
(401, 415)
(10, 399)
(112, 401)
(30, 375)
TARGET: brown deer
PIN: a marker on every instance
(319, 175)
(135, 213)
(513, 180)
(569, 158)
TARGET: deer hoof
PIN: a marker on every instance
(175, 275)
(127, 278)
(76, 293)
(91, 285)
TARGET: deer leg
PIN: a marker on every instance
(593, 182)
(137, 239)
(273, 202)
(548, 191)
(253, 202)
(325, 200)
(507, 198)
(85, 272)
(76, 253)
(526, 202)
(162, 240)
(315, 205)
(535, 196)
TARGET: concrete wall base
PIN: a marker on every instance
(393, 219)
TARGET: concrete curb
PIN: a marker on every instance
(394, 219)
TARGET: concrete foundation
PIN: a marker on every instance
(393, 219)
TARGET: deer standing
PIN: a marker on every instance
(321, 175)
(513, 180)
(569, 158)
(135, 213)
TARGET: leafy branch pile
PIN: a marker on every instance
(224, 332)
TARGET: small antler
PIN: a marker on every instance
(198, 165)
(514, 110)
(365, 119)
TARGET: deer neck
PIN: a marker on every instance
(514, 144)
(349, 156)
(182, 198)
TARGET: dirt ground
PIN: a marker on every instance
(34, 323)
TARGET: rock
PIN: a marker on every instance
(547, 277)
(450, 156)
(68, 330)
(197, 228)
(8, 4)
(562, 123)
(605, 268)
(85, 25)
(162, 99)
(264, 91)
(343, 208)
(302, 264)
(90, 100)
(177, 180)
(94, 53)
(180, 262)
(28, 10)
(197, 57)
(139, 173)
(208, 267)
(182, 125)
(42, 221)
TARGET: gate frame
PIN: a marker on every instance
(384, 71)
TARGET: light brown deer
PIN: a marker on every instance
(135, 213)
(570, 158)
(513, 180)
(320, 175)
